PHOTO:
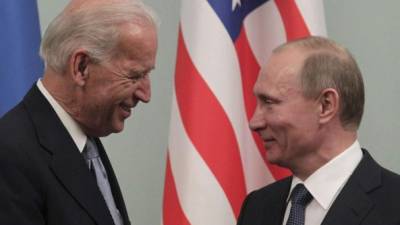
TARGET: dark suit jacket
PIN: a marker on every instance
(43, 177)
(371, 196)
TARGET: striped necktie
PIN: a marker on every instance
(93, 160)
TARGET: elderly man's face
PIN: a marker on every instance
(115, 87)
(286, 121)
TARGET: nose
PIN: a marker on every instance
(257, 122)
(143, 91)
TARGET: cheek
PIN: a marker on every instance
(306, 123)
(113, 95)
(285, 128)
(278, 123)
(101, 106)
(122, 91)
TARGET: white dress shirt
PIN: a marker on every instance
(69, 123)
(326, 183)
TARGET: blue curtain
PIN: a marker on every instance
(20, 65)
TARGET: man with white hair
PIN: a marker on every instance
(53, 167)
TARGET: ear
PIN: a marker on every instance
(79, 66)
(329, 105)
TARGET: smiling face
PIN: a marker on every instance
(286, 120)
(113, 88)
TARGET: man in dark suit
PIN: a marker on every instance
(53, 167)
(310, 99)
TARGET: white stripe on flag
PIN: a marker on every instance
(265, 31)
(313, 15)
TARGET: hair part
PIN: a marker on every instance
(329, 65)
(96, 29)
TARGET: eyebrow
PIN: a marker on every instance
(266, 96)
(147, 70)
(144, 71)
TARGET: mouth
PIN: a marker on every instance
(126, 108)
(268, 141)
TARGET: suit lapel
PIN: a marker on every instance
(67, 163)
(353, 203)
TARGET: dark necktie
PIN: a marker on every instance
(93, 160)
(299, 198)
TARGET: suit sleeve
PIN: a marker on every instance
(21, 202)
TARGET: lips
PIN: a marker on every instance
(126, 107)
(268, 141)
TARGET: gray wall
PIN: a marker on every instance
(368, 28)
(371, 31)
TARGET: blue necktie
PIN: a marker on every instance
(299, 198)
(91, 155)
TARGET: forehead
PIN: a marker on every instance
(137, 37)
(281, 73)
(138, 43)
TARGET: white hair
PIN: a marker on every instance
(95, 29)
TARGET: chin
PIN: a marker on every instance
(117, 128)
(109, 130)
(277, 161)
(273, 157)
(274, 161)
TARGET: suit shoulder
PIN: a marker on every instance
(16, 131)
(370, 168)
(13, 119)
(391, 179)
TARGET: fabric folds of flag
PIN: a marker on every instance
(20, 64)
(213, 158)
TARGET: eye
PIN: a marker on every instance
(267, 100)
(136, 76)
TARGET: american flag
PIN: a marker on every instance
(213, 158)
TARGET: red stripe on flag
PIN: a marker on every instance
(292, 19)
(172, 210)
(209, 128)
(249, 69)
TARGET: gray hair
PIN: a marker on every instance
(330, 65)
(95, 29)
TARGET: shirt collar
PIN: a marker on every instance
(73, 128)
(326, 182)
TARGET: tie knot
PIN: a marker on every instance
(90, 151)
(300, 195)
